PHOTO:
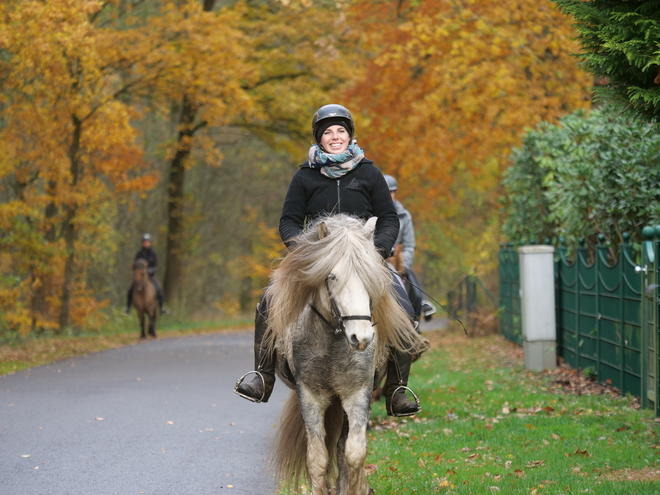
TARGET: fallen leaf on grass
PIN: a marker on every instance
(534, 464)
(370, 469)
(420, 463)
(581, 452)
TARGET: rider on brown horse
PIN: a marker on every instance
(149, 255)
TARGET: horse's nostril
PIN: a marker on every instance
(354, 340)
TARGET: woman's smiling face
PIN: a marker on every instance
(335, 139)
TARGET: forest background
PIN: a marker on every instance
(187, 119)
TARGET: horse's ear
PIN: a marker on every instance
(370, 226)
(323, 230)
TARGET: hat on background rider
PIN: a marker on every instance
(337, 177)
(149, 255)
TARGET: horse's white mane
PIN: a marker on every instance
(316, 252)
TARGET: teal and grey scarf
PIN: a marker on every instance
(335, 165)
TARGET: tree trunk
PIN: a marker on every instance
(38, 304)
(69, 229)
(173, 272)
(173, 266)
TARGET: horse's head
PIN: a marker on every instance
(140, 273)
(335, 259)
(349, 299)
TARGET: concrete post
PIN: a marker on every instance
(537, 307)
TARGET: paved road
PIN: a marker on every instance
(156, 418)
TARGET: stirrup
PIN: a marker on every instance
(263, 382)
(419, 406)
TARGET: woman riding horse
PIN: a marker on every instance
(336, 178)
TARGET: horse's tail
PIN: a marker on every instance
(290, 447)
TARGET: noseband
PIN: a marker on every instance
(340, 327)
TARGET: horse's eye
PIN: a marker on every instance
(332, 276)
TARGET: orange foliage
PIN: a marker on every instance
(451, 87)
(69, 146)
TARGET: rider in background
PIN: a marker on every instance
(404, 254)
(336, 178)
(149, 255)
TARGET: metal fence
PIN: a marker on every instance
(607, 312)
(510, 323)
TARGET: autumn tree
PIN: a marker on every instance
(70, 146)
(450, 88)
(278, 65)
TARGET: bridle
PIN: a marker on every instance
(340, 327)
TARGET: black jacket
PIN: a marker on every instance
(362, 192)
(150, 256)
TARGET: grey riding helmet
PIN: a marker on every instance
(146, 237)
(391, 183)
(329, 115)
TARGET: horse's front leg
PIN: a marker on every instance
(143, 335)
(152, 323)
(355, 449)
(313, 409)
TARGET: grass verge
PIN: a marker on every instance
(488, 426)
(20, 353)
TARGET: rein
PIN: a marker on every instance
(336, 314)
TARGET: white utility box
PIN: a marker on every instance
(537, 307)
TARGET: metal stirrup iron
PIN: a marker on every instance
(263, 383)
(419, 406)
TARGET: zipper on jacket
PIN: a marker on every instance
(338, 197)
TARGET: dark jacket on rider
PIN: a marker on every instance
(149, 255)
(362, 192)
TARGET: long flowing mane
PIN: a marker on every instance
(295, 282)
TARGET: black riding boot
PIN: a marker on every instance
(259, 390)
(396, 401)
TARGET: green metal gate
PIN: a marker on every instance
(510, 324)
(599, 316)
(649, 271)
(608, 317)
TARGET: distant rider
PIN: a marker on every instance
(404, 249)
(149, 255)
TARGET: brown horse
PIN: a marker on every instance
(144, 297)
